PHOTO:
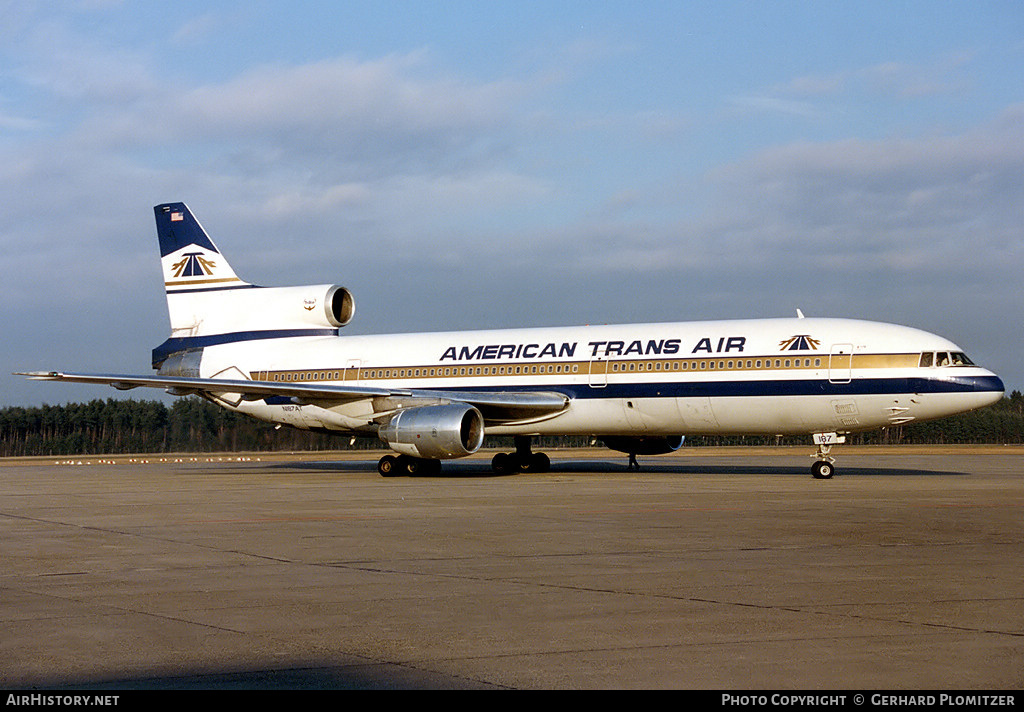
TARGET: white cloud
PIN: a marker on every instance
(930, 199)
(819, 95)
(343, 106)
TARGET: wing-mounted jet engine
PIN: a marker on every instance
(426, 434)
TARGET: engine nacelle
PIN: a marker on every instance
(311, 305)
(651, 445)
(435, 431)
(262, 309)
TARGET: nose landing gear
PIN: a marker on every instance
(824, 466)
(822, 470)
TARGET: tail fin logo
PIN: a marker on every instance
(193, 264)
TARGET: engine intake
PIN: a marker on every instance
(340, 304)
(435, 431)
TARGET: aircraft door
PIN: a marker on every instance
(352, 369)
(840, 363)
(598, 377)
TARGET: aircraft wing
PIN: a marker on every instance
(495, 406)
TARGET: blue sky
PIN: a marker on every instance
(466, 165)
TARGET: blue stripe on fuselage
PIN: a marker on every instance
(176, 344)
(727, 389)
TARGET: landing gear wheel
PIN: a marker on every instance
(503, 463)
(537, 462)
(822, 470)
(523, 459)
(387, 466)
(413, 466)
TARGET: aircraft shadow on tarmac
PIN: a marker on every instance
(359, 674)
(477, 469)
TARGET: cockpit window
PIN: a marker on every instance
(943, 359)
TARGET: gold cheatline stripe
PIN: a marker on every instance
(625, 367)
(183, 283)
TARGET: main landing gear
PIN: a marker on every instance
(824, 467)
(504, 463)
(522, 460)
(394, 466)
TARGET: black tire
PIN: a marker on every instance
(387, 466)
(503, 463)
(822, 470)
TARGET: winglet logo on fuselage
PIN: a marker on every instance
(800, 342)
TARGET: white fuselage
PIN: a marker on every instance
(764, 376)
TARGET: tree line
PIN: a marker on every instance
(194, 425)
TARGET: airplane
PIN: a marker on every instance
(278, 354)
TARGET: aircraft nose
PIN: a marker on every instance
(990, 388)
(985, 388)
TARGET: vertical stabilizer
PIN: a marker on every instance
(190, 260)
(209, 305)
